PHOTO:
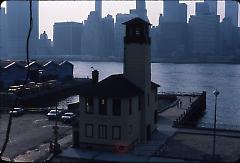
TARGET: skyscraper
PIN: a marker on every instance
(204, 32)
(140, 5)
(183, 12)
(231, 11)
(212, 6)
(202, 8)
(173, 11)
(170, 9)
(67, 38)
(141, 8)
(98, 7)
(3, 31)
(91, 35)
(18, 27)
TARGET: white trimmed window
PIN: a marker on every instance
(102, 131)
(89, 105)
(89, 130)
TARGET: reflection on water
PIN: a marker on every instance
(188, 78)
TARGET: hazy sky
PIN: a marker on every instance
(58, 11)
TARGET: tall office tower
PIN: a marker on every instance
(98, 7)
(18, 26)
(183, 12)
(227, 36)
(44, 47)
(108, 38)
(141, 9)
(173, 11)
(3, 31)
(202, 8)
(231, 11)
(212, 6)
(204, 34)
(92, 34)
(170, 9)
(67, 38)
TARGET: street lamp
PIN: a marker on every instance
(216, 93)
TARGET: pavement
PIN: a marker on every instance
(42, 152)
(29, 134)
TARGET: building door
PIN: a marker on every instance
(149, 133)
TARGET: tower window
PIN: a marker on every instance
(138, 31)
(89, 130)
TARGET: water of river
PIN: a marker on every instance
(189, 78)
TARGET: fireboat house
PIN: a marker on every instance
(119, 112)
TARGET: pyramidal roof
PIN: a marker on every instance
(136, 20)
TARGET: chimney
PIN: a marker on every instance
(95, 75)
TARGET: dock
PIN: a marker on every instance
(191, 106)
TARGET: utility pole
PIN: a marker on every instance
(56, 146)
(216, 93)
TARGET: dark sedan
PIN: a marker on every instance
(68, 117)
(53, 114)
(16, 112)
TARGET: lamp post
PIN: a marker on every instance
(216, 93)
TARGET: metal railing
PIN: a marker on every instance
(180, 93)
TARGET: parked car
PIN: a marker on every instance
(53, 114)
(48, 109)
(68, 117)
(16, 112)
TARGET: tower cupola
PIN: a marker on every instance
(137, 31)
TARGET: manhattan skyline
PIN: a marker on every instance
(62, 11)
